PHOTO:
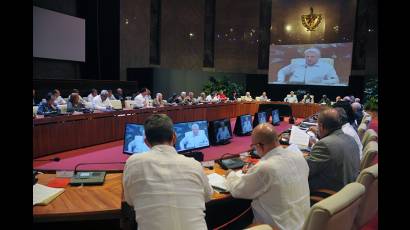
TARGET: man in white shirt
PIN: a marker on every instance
(248, 96)
(291, 98)
(311, 71)
(277, 184)
(93, 94)
(246, 125)
(101, 102)
(194, 139)
(263, 97)
(166, 189)
(137, 145)
(212, 97)
(59, 100)
(141, 99)
(223, 132)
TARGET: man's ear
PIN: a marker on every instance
(147, 143)
(174, 139)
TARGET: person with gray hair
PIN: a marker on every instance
(310, 72)
(277, 184)
(167, 190)
(159, 101)
(201, 98)
(291, 98)
(183, 95)
(194, 139)
(102, 102)
(334, 160)
(358, 112)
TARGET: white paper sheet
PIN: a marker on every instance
(298, 137)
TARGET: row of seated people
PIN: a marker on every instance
(279, 185)
(308, 98)
(102, 101)
(94, 101)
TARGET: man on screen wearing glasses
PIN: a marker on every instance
(310, 71)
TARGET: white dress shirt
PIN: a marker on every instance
(291, 99)
(166, 189)
(60, 101)
(349, 130)
(98, 104)
(194, 141)
(263, 98)
(139, 101)
(319, 73)
(90, 97)
(248, 98)
(137, 145)
(278, 185)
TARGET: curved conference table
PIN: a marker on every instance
(55, 134)
(68, 132)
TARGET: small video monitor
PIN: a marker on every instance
(220, 131)
(191, 135)
(275, 117)
(134, 139)
(243, 125)
(259, 118)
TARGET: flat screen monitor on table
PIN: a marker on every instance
(134, 139)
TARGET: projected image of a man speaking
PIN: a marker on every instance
(310, 71)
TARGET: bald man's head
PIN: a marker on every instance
(264, 138)
(328, 121)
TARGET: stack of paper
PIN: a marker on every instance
(217, 181)
(298, 137)
(42, 195)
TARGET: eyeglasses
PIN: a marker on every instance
(256, 144)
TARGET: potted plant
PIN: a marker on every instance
(223, 84)
(371, 96)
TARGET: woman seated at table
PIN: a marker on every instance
(74, 104)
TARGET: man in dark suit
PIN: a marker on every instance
(119, 95)
(334, 160)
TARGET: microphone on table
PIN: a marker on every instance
(91, 177)
(53, 159)
(96, 163)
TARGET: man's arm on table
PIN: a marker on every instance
(251, 185)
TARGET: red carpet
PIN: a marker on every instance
(112, 152)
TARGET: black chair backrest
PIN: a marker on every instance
(222, 211)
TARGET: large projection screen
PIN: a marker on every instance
(310, 64)
(58, 36)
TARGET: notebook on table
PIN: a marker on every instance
(43, 195)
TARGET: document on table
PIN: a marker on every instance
(217, 181)
(42, 195)
(298, 137)
(294, 148)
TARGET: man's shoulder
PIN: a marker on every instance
(139, 156)
(337, 138)
(324, 64)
